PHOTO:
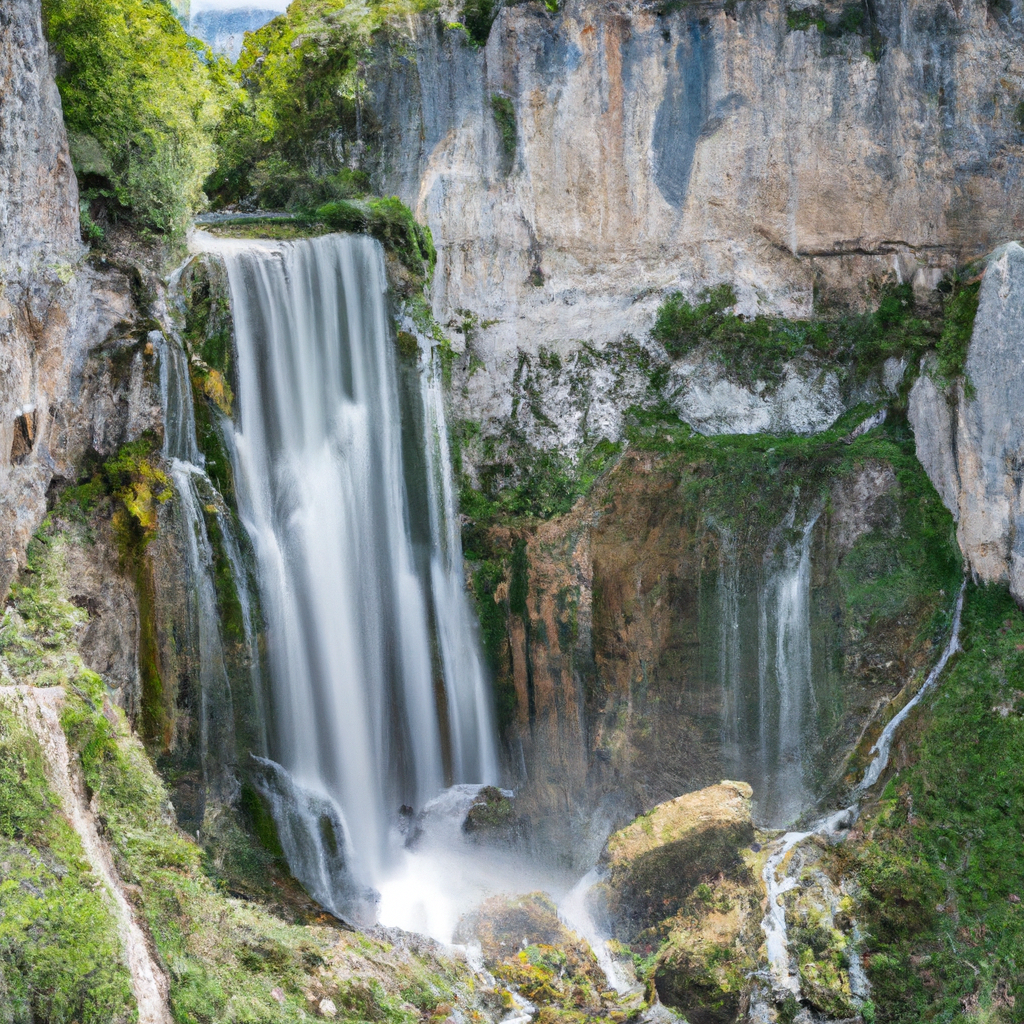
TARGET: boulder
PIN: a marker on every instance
(657, 860)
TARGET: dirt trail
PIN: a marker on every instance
(42, 713)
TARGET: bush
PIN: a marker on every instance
(757, 348)
(140, 100)
(960, 308)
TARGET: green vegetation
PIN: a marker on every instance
(478, 16)
(942, 868)
(288, 138)
(60, 954)
(960, 307)
(140, 100)
(757, 348)
(505, 118)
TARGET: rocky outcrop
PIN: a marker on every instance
(656, 860)
(680, 883)
(970, 438)
(38, 189)
(65, 389)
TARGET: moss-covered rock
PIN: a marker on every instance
(529, 950)
(654, 862)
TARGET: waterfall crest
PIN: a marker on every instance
(359, 723)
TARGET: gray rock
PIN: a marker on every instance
(974, 452)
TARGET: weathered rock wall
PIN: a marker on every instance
(970, 438)
(712, 143)
(77, 374)
(644, 629)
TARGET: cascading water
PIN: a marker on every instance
(317, 459)
(768, 694)
(193, 489)
(469, 714)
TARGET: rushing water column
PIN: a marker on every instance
(320, 486)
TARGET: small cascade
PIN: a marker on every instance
(783, 973)
(765, 676)
(470, 720)
(194, 491)
(316, 842)
(785, 680)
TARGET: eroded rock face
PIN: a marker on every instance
(660, 151)
(973, 447)
(64, 388)
(642, 660)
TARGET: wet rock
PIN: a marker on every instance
(505, 924)
(657, 860)
(529, 950)
(492, 816)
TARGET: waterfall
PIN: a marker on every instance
(469, 713)
(766, 676)
(194, 491)
(360, 726)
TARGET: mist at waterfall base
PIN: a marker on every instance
(379, 700)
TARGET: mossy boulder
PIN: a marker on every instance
(504, 924)
(654, 862)
(529, 950)
(492, 817)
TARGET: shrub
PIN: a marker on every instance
(478, 16)
(140, 102)
(505, 118)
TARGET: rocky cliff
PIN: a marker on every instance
(970, 438)
(582, 163)
(75, 374)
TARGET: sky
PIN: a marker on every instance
(227, 5)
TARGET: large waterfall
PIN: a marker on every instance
(366, 719)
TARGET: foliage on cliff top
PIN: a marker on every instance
(301, 115)
(141, 99)
(942, 868)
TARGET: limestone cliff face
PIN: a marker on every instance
(713, 143)
(77, 375)
(973, 447)
(38, 190)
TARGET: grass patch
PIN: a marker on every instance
(942, 869)
(60, 955)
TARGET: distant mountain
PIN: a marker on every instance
(224, 30)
